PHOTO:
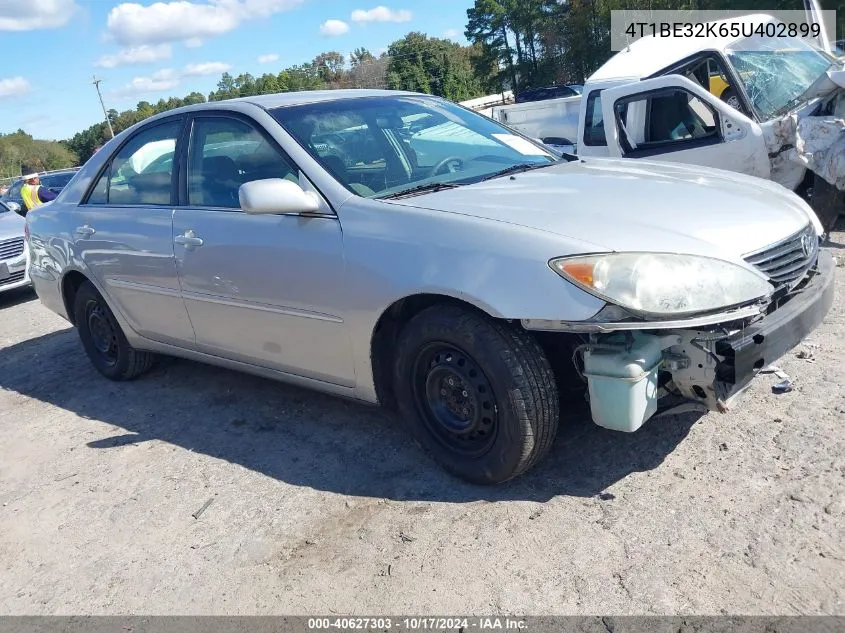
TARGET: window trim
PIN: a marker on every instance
(180, 136)
(663, 147)
(588, 118)
(182, 189)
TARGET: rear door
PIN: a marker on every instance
(123, 230)
(674, 119)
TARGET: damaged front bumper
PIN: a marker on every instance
(746, 352)
(705, 361)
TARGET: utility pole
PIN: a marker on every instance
(106, 114)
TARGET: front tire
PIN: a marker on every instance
(477, 394)
(103, 340)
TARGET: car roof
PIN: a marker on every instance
(283, 99)
(67, 170)
(650, 54)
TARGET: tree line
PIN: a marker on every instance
(513, 45)
(20, 153)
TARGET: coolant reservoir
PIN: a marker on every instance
(623, 383)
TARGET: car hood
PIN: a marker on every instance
(11, 225)
(627, 205)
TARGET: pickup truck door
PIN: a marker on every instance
(674, 119)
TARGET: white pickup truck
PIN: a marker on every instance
(767, 107)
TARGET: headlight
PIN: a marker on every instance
(663, 283)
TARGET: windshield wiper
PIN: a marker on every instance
(516, 169)
(419, 189)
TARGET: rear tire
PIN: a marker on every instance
(730, 97)
(103, 340)
(477, 394)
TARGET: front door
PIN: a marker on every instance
(123, 230)
(261, 289)
(673, 119)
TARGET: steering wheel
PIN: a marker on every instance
(443, 163)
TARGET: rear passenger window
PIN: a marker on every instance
(142, 171)
(226, 153)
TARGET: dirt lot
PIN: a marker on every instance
(324, 506)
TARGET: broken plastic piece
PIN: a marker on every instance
(777, 371)
(784, 386)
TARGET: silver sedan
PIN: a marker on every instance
(13, 255)
(396, 248)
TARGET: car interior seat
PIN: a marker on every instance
(220, 182)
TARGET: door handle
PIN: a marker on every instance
(189, 240)
(85, 231)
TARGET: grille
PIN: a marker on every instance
(13, 278)
(11, 248)
(788, 261)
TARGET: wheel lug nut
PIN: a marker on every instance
(464, 394)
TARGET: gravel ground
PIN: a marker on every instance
(322, 506)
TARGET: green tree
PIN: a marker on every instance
(361, 56)
(434, 66)
(329, 66)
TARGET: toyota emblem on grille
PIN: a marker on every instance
(805, 245)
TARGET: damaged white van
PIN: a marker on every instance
(772, 107)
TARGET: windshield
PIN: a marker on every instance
(58, 181)
(384, 146)
(776, 71)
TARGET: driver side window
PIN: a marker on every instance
(665, 118)
(226, 153)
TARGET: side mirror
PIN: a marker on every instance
(13, 206)
(277, 196)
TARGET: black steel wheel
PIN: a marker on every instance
(455, 399)
(103, 340)
(478, 394)
(101, 327)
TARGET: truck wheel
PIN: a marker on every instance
(477, 394)
(103, 340)
(827, 201)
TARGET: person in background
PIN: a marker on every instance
(33, 194)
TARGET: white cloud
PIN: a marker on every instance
(206, 68)
(158, 82)
(268, 59)
(381, 14)
(136, 55)
(333, 28)
(13, 87)
(168, 79)
(451, 34)
(193, 42)
(132, 24)
(28, 15)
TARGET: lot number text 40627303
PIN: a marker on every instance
(418, 624)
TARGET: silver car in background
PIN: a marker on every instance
(13, 255)
(398, 249)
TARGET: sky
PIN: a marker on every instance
(144, 51)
